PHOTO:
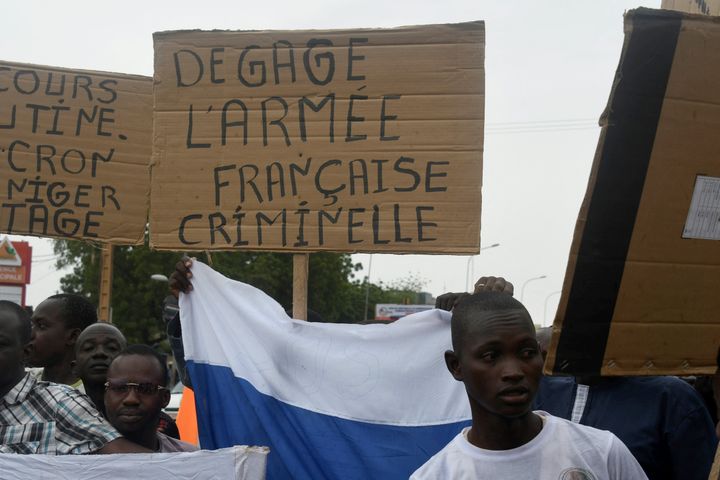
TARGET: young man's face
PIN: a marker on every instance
(500, 364)
(96, 348)
(136, 409)
(50, 336)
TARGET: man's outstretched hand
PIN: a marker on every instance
(494, 284)
(180, 279)
(448, 301)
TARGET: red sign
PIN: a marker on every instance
(13, 275)
(15, 265)
(24, 250)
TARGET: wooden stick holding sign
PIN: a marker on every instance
(301, 262)
(369, 143)
(106, 275)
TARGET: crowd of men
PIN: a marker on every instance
(71, 385)
(88, 392)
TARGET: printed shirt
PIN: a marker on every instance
(48, 418)
(561, 451)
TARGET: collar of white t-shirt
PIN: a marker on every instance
(530, 448)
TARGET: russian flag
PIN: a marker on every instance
(332, 401)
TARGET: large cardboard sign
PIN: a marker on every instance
(74, 153)
(347, 140)
(641, 291)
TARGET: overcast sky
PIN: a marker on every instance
(549, 68)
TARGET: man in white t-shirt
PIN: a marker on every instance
(496, 355)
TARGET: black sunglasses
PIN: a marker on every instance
(141, 388)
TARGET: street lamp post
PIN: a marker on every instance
(470, 262)
(545, 307)
(522, 290)
(170, 303)
(367, 288)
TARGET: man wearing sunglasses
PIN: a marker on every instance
(43, 417)
(135, 393)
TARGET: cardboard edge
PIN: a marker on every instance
(152, 244)
(554, 364)
(558, 321)
(75, 71)
(471, 25)
(605, 123)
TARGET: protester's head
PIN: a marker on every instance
(495, 354)
(136, 390)
(56, 324)
(14, 335)
(95, 349)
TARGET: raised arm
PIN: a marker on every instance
(447, 301)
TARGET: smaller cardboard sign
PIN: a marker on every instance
(703, 220)
(641, 291)
(75, 150)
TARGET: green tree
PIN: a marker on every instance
(136, 299)
(333, 291)
(403, 291)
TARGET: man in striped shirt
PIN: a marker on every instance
(43, 417)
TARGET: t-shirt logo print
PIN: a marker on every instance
(576, 474)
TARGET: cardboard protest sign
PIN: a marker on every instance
(705, 7)
(74, 153)
(641, 290)
(346, 140)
